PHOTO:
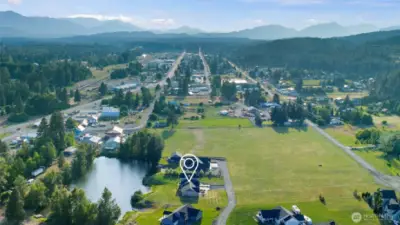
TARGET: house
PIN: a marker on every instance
(224, 112)
(336, 121)
(38, 171)
(183, 215)
(282, 216)
(113, 144)
(92, 119)
(109, 113)
(189, 189)
(390, 205)
(84, 123)
(115, 132)
(69, 151)
(160, 124)
(79, 130)
(175, 157)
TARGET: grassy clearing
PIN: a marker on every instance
(344, 134)
(392, 121)
(271, 167)
(105, 72)
(225, 122)
(3, 135)
(189, 99)
(311, 82)
(350, 94)
(380, 162)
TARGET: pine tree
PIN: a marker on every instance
(77, 96)
(57, 129)
(15, 207)
(103, 89)
(108, 210)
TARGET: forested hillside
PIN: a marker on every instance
(318, 54)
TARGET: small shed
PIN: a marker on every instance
(69, 151)
(38, 171)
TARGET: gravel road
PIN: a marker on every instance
(223, 216)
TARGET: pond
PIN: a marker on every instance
(122, 179)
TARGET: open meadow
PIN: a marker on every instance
(271, 167)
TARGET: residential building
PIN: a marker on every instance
(390, 206)
(91, 140)
(183, 215)
(214, 169)
(92, 119)
(79, 130)
(113, 144)
(126, 87)
(110, 113)
(189, 189)
(175, 157)
(115, 132)
(282, 216)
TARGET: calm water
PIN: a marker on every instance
(122, 179)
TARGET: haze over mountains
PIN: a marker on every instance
(13, 24)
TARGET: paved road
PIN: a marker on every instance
(223, 216)
(207, 72)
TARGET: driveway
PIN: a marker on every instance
(223, 216)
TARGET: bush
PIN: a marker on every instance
(136, 198)
(153, 117)
(384, 123)
(149, 124)
(18, 117)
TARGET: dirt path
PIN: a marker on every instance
(199, 135)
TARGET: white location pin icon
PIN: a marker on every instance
(189, 162)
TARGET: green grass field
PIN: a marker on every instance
(344, 94)
(393, 122)
(281, 167)
(101, 74)
(344, 134)
(311, 82)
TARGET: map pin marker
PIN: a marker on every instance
(189, 162)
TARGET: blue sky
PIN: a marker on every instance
(217, 15)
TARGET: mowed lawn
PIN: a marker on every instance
(271, 167)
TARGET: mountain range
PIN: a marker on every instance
(13, 24)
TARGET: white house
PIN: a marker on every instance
(282, 216)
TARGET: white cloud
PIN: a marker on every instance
(163, 22)
(104, 17)
(258, 22)
(313, 21)
(14, 2)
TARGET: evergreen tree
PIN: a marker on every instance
(70, 123)
(77, 96)
(15, 208)
(276, 99)
(108, 210)
(103, 89)
(57, 129)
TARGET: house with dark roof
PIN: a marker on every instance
(183, 215)
(182, 176)
(282, 216)
(189, 189)
(390, 205)
(175, 157)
